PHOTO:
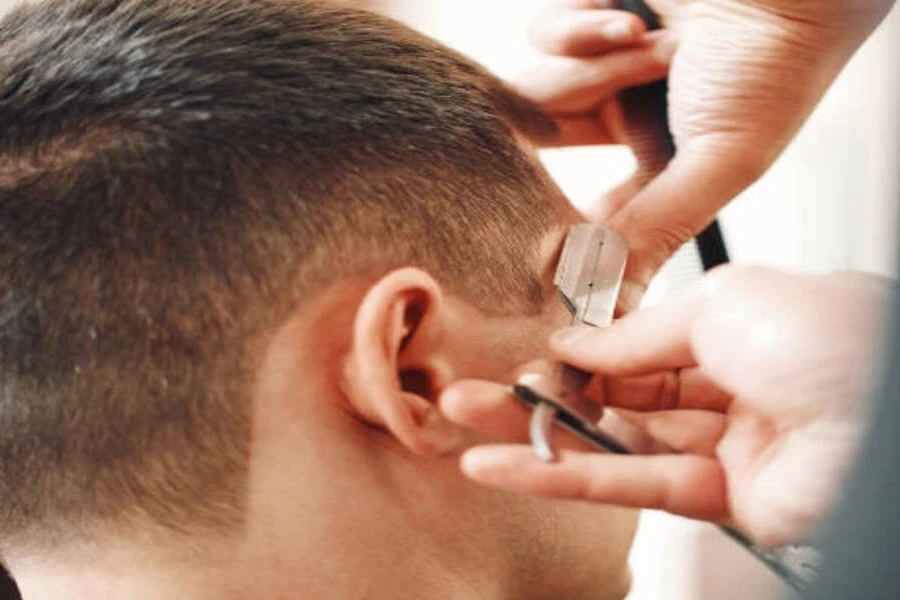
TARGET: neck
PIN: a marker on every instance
(346, 532)
(336, 532)
(132, 575)
(119, 571)
(343, 558)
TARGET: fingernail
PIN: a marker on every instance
(617, 31)
(569, 338)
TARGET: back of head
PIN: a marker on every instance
(175, 178)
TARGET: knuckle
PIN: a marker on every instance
(588, 485)
(631, 293)
(668, 394)
(568, 44)
(658, 495)
(668, 239)
(652, 246)
(751, 166)
(594, 488)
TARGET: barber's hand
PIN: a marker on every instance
(588, 57)
(745, 76)
(757, 379)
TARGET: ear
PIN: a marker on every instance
(395, 369)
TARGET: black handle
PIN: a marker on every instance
(648, 104)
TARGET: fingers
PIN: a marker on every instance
(677, 205)
(604, 126)
(491, 408)
(487, 407)
(646, 341)
(680, 389)
(684, 431)
(577, 32)
(576, 86)
(691, 486)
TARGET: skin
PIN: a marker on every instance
(744, 77)
(757, 379)
(355, 490)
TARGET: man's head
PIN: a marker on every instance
(225, 227)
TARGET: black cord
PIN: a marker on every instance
(711, 245)
(648, 103)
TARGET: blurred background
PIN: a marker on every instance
(829, 203)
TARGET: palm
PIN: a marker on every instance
(770, 483)
(747, 74)
(783, 456)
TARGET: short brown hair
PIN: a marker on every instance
(175, 178)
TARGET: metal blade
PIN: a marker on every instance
(590, 273)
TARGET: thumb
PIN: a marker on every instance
(677, 205)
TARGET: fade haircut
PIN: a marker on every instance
(175, 179)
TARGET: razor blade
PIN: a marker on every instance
(590, 273)
(588, 278)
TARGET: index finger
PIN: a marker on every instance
(687, 485)
(646, 341)
(678, 204)
(578, 31)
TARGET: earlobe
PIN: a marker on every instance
(395, 368)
